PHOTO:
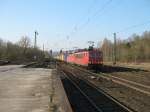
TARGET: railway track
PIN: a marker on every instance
(92, 97)
(78, 99)
(134, 85)
(128, 83)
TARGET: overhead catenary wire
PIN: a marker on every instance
(94, 15)
(129, 28)
(134, 26)
(79, 27)
(75, 27)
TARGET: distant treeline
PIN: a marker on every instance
(134, 49)
(21, 51)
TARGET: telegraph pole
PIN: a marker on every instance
(35, 44)
(35, 39)
(114, 49)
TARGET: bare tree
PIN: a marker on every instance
(24, 43)
(134, 49)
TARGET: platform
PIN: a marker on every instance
(31, 90)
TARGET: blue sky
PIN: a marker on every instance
(71, 23)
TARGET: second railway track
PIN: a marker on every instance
(131, 84)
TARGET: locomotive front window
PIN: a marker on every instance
(92, 55)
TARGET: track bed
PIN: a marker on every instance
(85, 97)
(136, 100)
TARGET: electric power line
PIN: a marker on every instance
(96, 14)
(102, 8)
(134, 26)
(77, 27)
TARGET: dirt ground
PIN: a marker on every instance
(144, 66)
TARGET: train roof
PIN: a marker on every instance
(79, 51)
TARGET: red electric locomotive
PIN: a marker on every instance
(90, 58)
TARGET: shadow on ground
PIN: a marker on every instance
(111, 69)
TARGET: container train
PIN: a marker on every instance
(89, 58)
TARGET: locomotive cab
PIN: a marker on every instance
(95, 59)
